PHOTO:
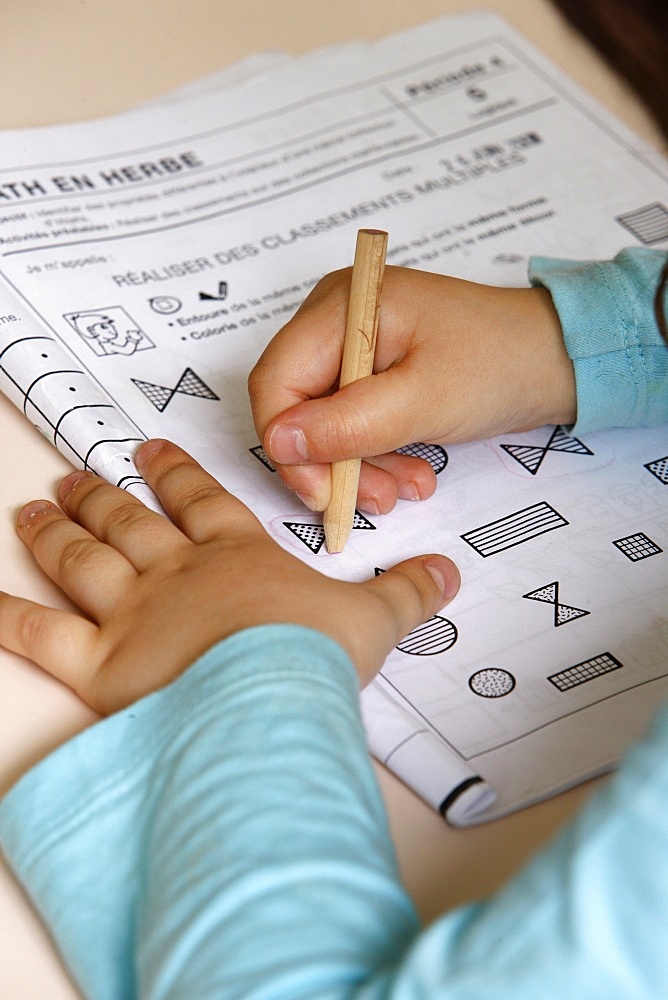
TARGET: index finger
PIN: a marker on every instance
(303, 360)
(194, 500)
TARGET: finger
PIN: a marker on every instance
(414, 590)
(410, 593)
(118, 519)
(304, 358)
(383, 480)
(196, 502)
(311, 483)
(61, 643)
(93, 575)
(414, 477)
(370, 417)
(377, 493)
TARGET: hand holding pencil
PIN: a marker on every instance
(455, 361)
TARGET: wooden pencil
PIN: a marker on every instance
(357, 362)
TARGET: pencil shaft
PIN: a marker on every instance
(357, 362)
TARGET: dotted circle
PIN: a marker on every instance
(492, 682)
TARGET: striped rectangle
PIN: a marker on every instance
(648, 224)
(514, 529)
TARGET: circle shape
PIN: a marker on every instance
(165, 304)
(492, 682)
(432, 637)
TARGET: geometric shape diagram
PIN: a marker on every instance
(492, 682)
(262, 456)
(432, 637)
(549, 594)
(189, 384)
(585, 671)
(360, 522)
(432, 453)
(638, 546)
(514, 529)
(165, 304)
(659, 468)
(312, 535)
(110, 330)
(531, 456)
(648, 224)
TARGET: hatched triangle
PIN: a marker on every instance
(561, 441)
(527, 455)
(190, 384)
(159, 395)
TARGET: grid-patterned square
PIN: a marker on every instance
(638, 546)
(648, 224)
(580, 673)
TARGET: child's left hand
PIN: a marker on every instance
(156, 593)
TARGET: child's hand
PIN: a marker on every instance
(155, 594)
(455, 361)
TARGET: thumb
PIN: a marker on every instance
(370, 417)
(411, 593)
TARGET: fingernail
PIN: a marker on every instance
(408, 491)
(307, 500)
(28, 513)
(70, 482)
(287, 445)
(369, 505)
(446, 576)
(146, 451)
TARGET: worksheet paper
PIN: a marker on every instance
(148, 258)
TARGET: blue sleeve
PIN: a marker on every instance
(606, 309)
(225, 838)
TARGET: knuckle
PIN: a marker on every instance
(199, 499)
(347, 435)
(259, 375)
(31, 628)
(75, 555)
(125, 515)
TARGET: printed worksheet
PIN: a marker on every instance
(148, 258)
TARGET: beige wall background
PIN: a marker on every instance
(66, 60)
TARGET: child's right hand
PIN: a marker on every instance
(455, 361)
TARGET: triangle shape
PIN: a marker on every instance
(159, 395)
(312, 535)
(563, 613)
(262, 456)
(527, 455)
(360, 521)
(191, 384)
(561, 441)
(549, 593)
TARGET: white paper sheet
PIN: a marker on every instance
(146, 259)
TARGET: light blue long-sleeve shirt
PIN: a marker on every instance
(607, 318)
(225, 837)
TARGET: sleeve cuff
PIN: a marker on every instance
(606, 309)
